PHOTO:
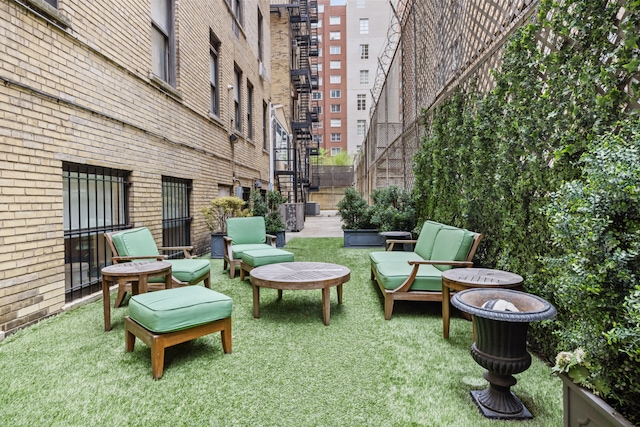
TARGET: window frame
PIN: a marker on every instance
(361, 102)
(167, 75)
(364, 25)
(337, 92)
(214, 68)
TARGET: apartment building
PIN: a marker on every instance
(367, 25)
(118, 115)
(331, 97)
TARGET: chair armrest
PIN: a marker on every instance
(185, 249)
(436, 262)
(116, 259)
(390, 243)
(271, 239)
(228, 250)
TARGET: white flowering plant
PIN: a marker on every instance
(575, 365)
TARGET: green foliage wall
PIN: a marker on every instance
(490, 162)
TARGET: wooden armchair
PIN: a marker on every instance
(138, 244)
(244, 234)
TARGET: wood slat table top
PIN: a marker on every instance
(127, 268)
(482, 277)
(309, 273)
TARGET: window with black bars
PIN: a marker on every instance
(95, 201)
(176, 216)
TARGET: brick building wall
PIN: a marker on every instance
(77, 87)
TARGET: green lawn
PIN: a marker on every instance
(286, 369)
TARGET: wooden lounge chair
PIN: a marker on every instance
(138, 244)
(244, 234)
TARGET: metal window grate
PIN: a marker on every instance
(95, 201)
(176, 216)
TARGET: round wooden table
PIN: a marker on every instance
(459, 279)
(136, 273)
(299, 276)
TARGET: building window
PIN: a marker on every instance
(334, 20)
(335, 65)
(317, 138)
(360, 4)
(214, 73)
(334, 50)
(176, 217)
(336, 137)
(162, 40)
(361, 125)
(336, 123)
(335, 151)
(333, 79)
(316, 96)
(364, 25)
(364, 77)
(53, 3)
(237, 99)
(260, 36)
(364, 51)
(317, 109)
(336, 108)
(265, 124)
(95, 200)
(335, 93)
(249, 110)
(335, 35)
(361, 102)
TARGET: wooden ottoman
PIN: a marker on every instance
(165, 318)
(260, 257)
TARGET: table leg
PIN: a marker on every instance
(326, 305)
(339, 294)
(168, 282)
(256, 301)
(446, 294)
(143, 288)
(106, 304)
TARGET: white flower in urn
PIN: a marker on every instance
(500, 305)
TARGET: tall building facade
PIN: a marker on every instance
(367, 26)
(331, 67)
(120, 117)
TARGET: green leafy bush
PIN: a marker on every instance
(268, 206)
(354, 211)
(595, 223)
(393, 209)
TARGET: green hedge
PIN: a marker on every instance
(495, 163)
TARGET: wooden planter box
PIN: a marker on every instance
(583, 408)
(363, 239)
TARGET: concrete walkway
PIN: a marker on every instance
(327, 224)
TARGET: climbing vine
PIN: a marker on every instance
(490, 162)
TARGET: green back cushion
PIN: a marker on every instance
(179, 308)
(135, 242)
(247, 230)
(426, 239)
(451, 244)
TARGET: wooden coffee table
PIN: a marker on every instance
(136, 273)
(460, 279)
(299, 276)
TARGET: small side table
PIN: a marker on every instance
(136, 273)
(459, 279)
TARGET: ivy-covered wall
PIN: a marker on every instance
(493, 163)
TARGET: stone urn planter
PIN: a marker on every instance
(501, 344)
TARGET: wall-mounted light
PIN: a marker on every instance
(257, 184)
(232, 137)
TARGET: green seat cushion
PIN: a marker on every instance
(393, 256)
(179, 308)
(451, 244)
(392, 275)
(246, 230)
(238, 250)
(256, 258)
(189, 270)
(135, 242)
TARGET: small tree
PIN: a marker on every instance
(354, 211)
(221, 208)
(269, 207)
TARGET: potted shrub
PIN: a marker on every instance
(393, 213)
(356, 214)
(269, 207)
(215, 217)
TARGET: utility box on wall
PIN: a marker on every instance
(293, 216)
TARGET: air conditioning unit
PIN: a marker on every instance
(294, 43)
(262, 71)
